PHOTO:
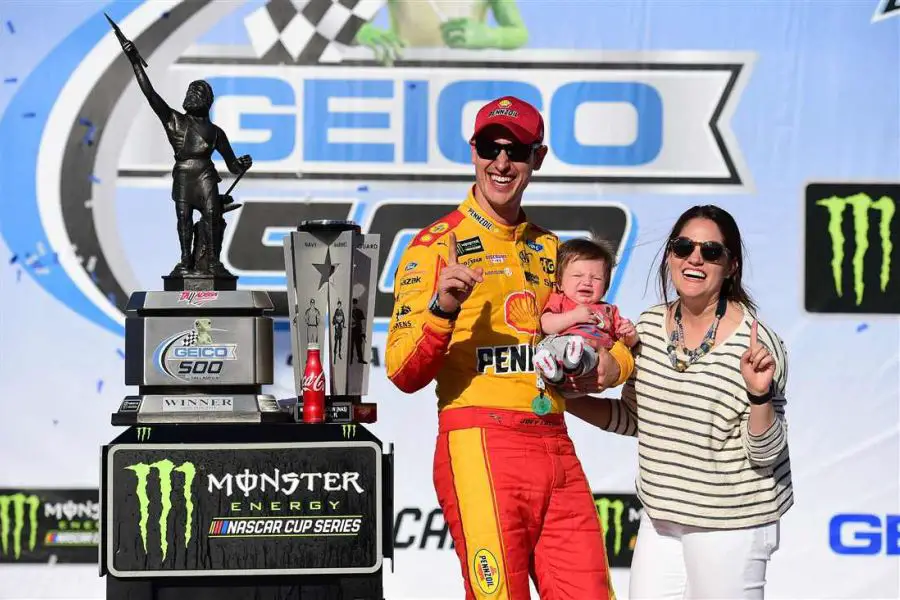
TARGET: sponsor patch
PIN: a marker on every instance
(469, 246)
(486, 571)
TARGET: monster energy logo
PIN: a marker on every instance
(17, 504)
(617, 507)
(164, 468)
(349, 431)
(861, 204)
(143, 434)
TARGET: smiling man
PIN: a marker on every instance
(468, 298)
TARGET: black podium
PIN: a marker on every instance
(225, 512)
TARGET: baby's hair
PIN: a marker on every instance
(585, 249)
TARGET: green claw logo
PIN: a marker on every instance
(605, 506)
(164, 469)
(18, 503)
(860, 204)
(349, 431)
(143, 434)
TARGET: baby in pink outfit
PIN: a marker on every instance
(576, 312)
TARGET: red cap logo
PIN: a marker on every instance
(516, 116)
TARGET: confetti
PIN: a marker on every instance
(861, 327)
(29, 115)
(55, 422)
(10, 80)
(33, 262)
(362, 188)
(9, 25)
(111, 297)
(89, 203)
(88, 139)
(18, 275)
(121, 353)
(91, 264)
(99, 385)
(94, 178)
(166, 14)
(14, 258)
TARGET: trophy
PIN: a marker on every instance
(331, 273)
(200, 350)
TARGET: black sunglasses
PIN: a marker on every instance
(683, 247)
(490, 150)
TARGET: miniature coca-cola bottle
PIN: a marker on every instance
(313, 390)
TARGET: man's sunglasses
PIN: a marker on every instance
(490, 150)
(683, 247)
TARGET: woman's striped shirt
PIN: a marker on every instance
(698, 463)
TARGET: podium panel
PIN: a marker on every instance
(248, 509)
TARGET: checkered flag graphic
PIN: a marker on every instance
(190, 339)
(307, 31)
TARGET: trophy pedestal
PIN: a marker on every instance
(159, 409)
(236, 525)
(199, 356)
(199, 282)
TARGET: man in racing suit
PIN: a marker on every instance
(468, 298)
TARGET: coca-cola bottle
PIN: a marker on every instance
(313, 390)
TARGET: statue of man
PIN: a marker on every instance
(193, 138)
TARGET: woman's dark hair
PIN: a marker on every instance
(733, 287)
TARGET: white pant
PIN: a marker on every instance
(675, 561)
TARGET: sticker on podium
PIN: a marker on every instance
(244, 509)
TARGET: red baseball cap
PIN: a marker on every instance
(518, 117)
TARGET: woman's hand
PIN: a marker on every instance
(757, 365)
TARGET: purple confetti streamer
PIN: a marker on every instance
(18, 275)
(94, 178)
(9, 25)
(29, 115)
(88, 139)
(14, 258)
(362, 188)
(10, 80)
(99, 385)
(121, 353)
(861, 327)
(112, 298)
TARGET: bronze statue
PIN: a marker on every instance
(193, 138)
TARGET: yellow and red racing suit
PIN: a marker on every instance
(508, 481)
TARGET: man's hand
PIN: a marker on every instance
(245, 161)
(456, 281)
(606, 375)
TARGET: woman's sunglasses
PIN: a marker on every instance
(490, 150)
(683, 247)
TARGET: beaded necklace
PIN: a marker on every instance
(677, 338)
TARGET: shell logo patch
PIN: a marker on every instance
(486, 571)
(426, 238)
(439, 228)
(520, 312)
(504, 103)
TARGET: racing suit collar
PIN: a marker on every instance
(471, 210)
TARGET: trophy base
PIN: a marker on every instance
(336, 411)
(157, 409)
(199, 282)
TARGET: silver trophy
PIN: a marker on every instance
(332, 271)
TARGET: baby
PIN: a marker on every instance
(576, 312)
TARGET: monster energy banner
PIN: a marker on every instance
(620, 516)
(852, 260)
(49, 525)
(253, 509)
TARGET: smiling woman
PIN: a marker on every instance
(706, 402)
